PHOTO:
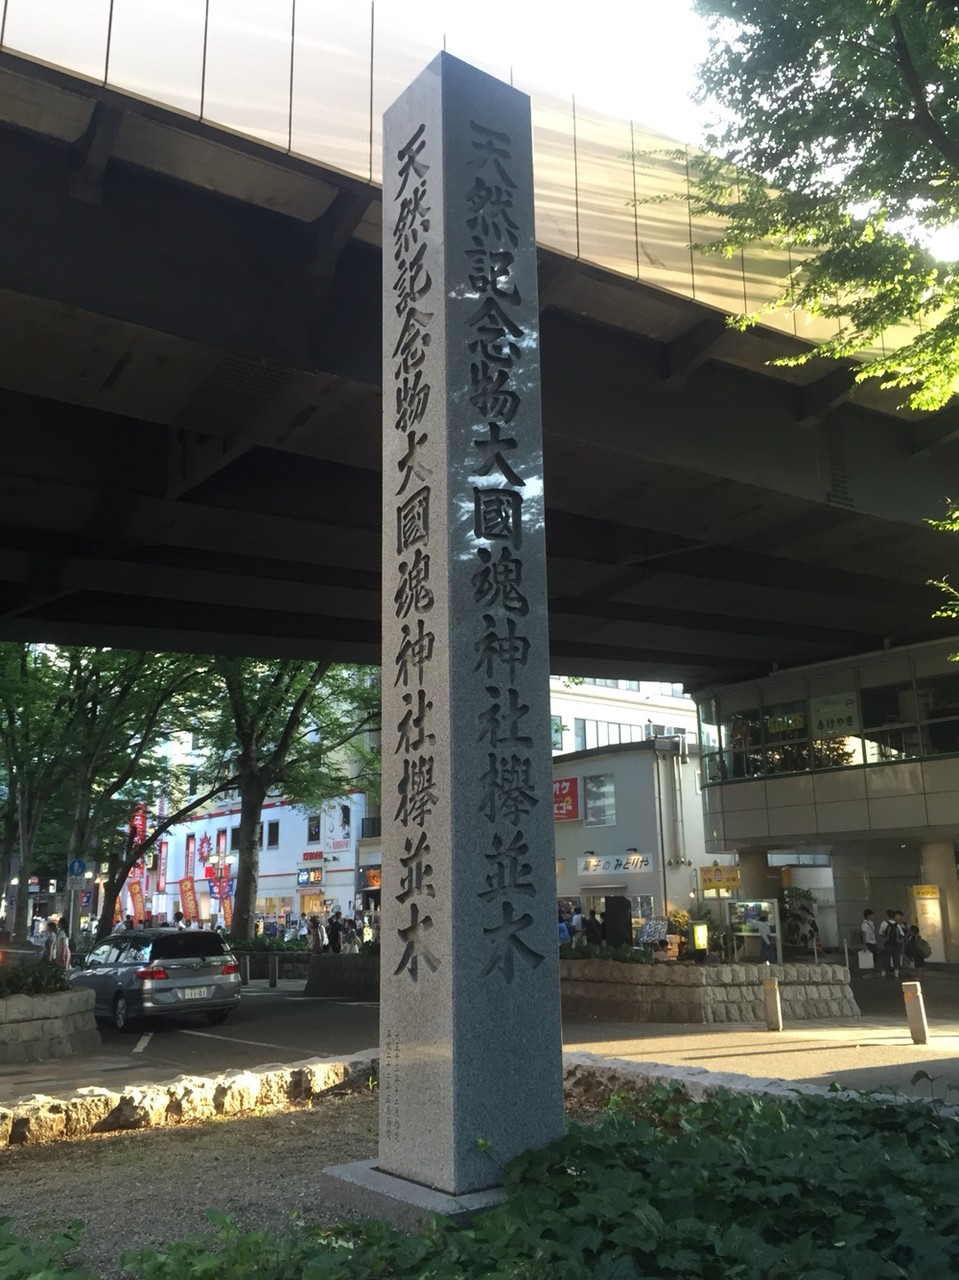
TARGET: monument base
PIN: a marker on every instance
(367, 1190)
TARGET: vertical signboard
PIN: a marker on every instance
(470, 990)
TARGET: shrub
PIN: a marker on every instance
(40, 979)
(624, 954)
(263, 943)
(734, 1187)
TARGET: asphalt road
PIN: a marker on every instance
(282, 1025)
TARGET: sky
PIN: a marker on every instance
(634, 59)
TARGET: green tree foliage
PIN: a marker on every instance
(296, 728)
(838, 141)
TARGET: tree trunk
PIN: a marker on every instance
(252, 794)
(22, 923)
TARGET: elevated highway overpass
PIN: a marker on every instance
(190, 404)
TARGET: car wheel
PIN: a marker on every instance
(121, 1012)
(217, 1016)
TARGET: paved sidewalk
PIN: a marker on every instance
(873, 1053)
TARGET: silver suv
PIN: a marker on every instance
(146, 972)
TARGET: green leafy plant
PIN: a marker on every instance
(39, 1259)
(40, 979)
(267, 944)
(797, 911)
(623, 955)
(727, 1187)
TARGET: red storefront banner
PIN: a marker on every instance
(136, 901)
(161, 867)
(138, 822)
(226, 911)
(566, 799)
(188, 900)
(117, 911)
(190, 863)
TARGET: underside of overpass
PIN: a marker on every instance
(191, 405)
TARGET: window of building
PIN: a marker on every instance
(556, 732)
(313, 828)
(273, 835)
(890, 722)
(195, 740)
(742, 738)
(937, 701)
(234, 839)
(599, 800)
(579, 734)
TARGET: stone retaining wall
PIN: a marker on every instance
(356, 977)
(33, 1028)
(189, 1099)
(186, 1100)
(702, 993)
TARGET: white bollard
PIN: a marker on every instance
(773, 1003)
(916, 1012)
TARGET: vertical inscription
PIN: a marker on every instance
(389, 1094)
(418, 788)
(496, 341)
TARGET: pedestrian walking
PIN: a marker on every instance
(867, 931)
(916, 951)
(892, 936)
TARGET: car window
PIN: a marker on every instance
(187, 944)
(99, 954)
(137, 951)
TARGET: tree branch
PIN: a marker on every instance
(933, 130)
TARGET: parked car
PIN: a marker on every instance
(144, 973)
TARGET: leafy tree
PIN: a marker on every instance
(296, 727)
(838, 141)
(33, 742)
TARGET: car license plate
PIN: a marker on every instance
(194, 993)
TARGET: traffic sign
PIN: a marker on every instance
(76, 867)
(74, 882)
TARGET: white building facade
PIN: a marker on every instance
(308, 862)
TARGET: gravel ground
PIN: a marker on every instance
(144, 1189)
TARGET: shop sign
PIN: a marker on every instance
(925, 891)
(592, 865)
(722, 877)
(216, 885)
(307, 876)
(834, 715)
(33, 884)
(372, 877)
(337, 834)
(566, 800)
(312, 855)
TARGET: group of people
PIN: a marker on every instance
(56, 942)
(894, 945)
(582, 930)
(336, 935)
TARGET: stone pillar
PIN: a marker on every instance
(938, 859)
(757, 880)
(470, 1046)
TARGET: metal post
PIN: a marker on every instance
(244, 969)
(916, 1012)
(773, 1003)
(845, 951)
(274, 968)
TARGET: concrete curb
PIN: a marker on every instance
(186, 1100)
(588, 1078)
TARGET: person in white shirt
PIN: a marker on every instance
(578, 925)
(767, 948)
(867, 931)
